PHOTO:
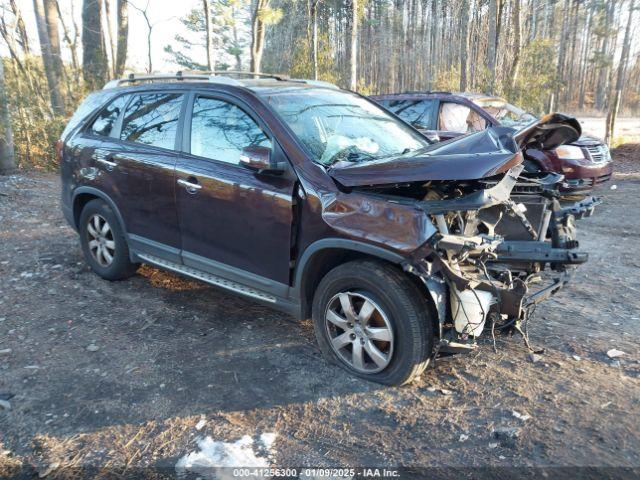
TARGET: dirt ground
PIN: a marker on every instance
(116, 376)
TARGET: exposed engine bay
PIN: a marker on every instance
(489, 246)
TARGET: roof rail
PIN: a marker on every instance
(317, 83)
(216, 76)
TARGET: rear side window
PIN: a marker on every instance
(107, 118)
(220, 130)
(152, 119)
(416, 112)
(88, 105)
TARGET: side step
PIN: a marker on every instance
(206, 277)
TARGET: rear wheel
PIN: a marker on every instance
(370, 319)
(103, 242)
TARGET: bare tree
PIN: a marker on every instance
(517, 45)
(145, 14)
(464, 43)
(353, 67)
(614, 105)
(313, 14)
(7, 153)
(109, 34)
(211, 61)
(50, 67)
(94, 55)
(257, 34)
(123, 37)
(492, 40)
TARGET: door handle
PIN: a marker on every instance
(190, 186)
(107, 163)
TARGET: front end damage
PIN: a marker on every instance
(486, 255)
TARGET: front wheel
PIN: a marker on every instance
(373, 321)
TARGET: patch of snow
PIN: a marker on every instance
(216, 459)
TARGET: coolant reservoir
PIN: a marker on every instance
(469, 310)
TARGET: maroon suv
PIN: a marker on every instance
(584, 163)
(318, 202)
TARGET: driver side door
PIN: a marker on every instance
(234, 222)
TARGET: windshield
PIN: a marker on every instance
(507, 114)
(337, 126)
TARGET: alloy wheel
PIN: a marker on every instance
(101, 243)
(359, 332)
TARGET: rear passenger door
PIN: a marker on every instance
(144, 165)
(234, 222)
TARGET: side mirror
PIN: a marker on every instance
(259, 160)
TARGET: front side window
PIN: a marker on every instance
(415, 112)
(152, 119)
(107, 118)
(455, 117)
(335, 125)
(220, 130)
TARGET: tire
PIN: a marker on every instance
(398, 306)
(115, 264)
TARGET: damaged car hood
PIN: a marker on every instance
(471, 157)
(549, 132)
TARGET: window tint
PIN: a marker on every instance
(104, 123)
(152, 119)
(416, 112)
(220, 130)
(455, 117)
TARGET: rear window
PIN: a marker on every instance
(107, 118)
(89, 104)
(418, 113)
(152, 119)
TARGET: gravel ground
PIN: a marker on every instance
(117, 376)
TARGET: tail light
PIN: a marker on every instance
(59, 147)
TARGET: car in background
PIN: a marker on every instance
(440, 116)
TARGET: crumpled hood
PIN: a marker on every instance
(471, 157)
(549, 132)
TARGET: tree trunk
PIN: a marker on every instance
(464, 43)
(553, 103)
(491, 43)
(51, 20)
(109, 31)
(353, 63)
(211, 62)
(603, 75)
(314, 36)
(7, 153)
(94, 56)
(257, 36)
(123, 37)
(517, 46)
(53, 80)
(614, 105)
(23, 38)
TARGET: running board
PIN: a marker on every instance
(206, 277)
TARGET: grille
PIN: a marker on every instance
(598, 153)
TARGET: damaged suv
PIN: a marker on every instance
(320, 203)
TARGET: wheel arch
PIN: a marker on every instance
(83, 195)
(324, 255)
